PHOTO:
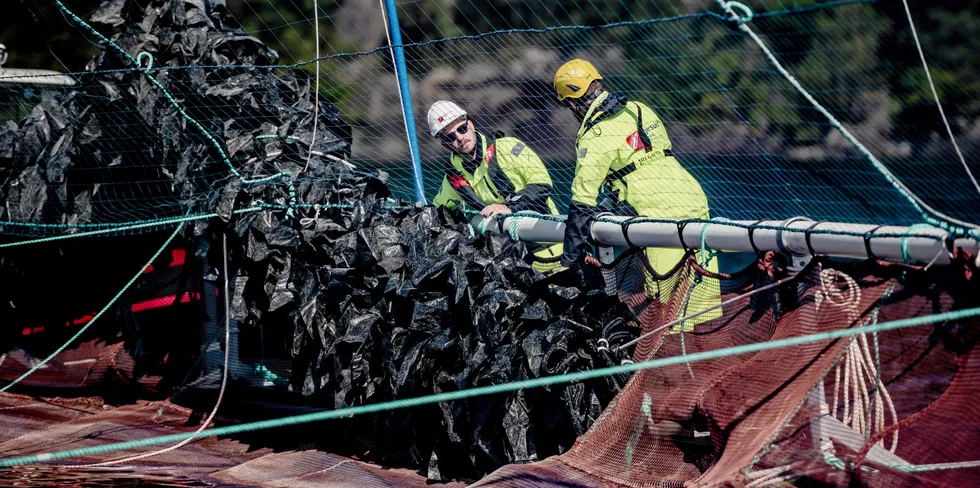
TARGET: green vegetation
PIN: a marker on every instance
(859, 59)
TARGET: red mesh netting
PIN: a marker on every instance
(34, 425)
(799, 415)
(888, 409)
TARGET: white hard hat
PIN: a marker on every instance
(443, 113)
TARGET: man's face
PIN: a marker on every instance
(460, 136)
(578, 107)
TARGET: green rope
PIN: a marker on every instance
(711, 253)
(94, 319)
(905, 240)
(113, 230)
(482, 228)
(639, 428)
(496, 389)
(515, 222)
(948, 223)
(123, 227)
(269, 376)
(514, 229)
(261, 369)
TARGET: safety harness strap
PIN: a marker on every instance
(625, 171)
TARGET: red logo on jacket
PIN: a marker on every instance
(457, 181)
(489, 154)
(633, 140)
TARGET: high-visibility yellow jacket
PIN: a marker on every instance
(503, 170)
(623, 144)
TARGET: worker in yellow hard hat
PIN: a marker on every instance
(622, 145)
(493, 174)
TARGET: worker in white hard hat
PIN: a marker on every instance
(494, 174)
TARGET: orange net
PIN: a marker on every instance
(893, 408)
(884, 409)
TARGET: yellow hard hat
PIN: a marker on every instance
(572, 80)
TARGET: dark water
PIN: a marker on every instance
(766, 186)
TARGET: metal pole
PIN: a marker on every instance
(791, 239)
(405, 93)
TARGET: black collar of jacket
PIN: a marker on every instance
(481, 141)
(610, 106)
(473, 161)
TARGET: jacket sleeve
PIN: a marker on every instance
(591, 168)
(447, 196)
(532, 197)
(456, 182)
(528, 174)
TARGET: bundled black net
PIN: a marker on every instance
(399, 303)
(117, 150)
(375, 300)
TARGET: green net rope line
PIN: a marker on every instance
(495, 389)
(743, 16)
(112, 229)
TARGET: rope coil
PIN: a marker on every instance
(858, 373)
(744, 15)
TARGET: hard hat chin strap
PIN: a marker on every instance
(580, 106)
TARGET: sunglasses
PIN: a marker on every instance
(461, 130)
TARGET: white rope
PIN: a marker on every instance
(221, 392)
(335, 158)
(858, 369)
(935, 96)
(305, 221)
(316, 91)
